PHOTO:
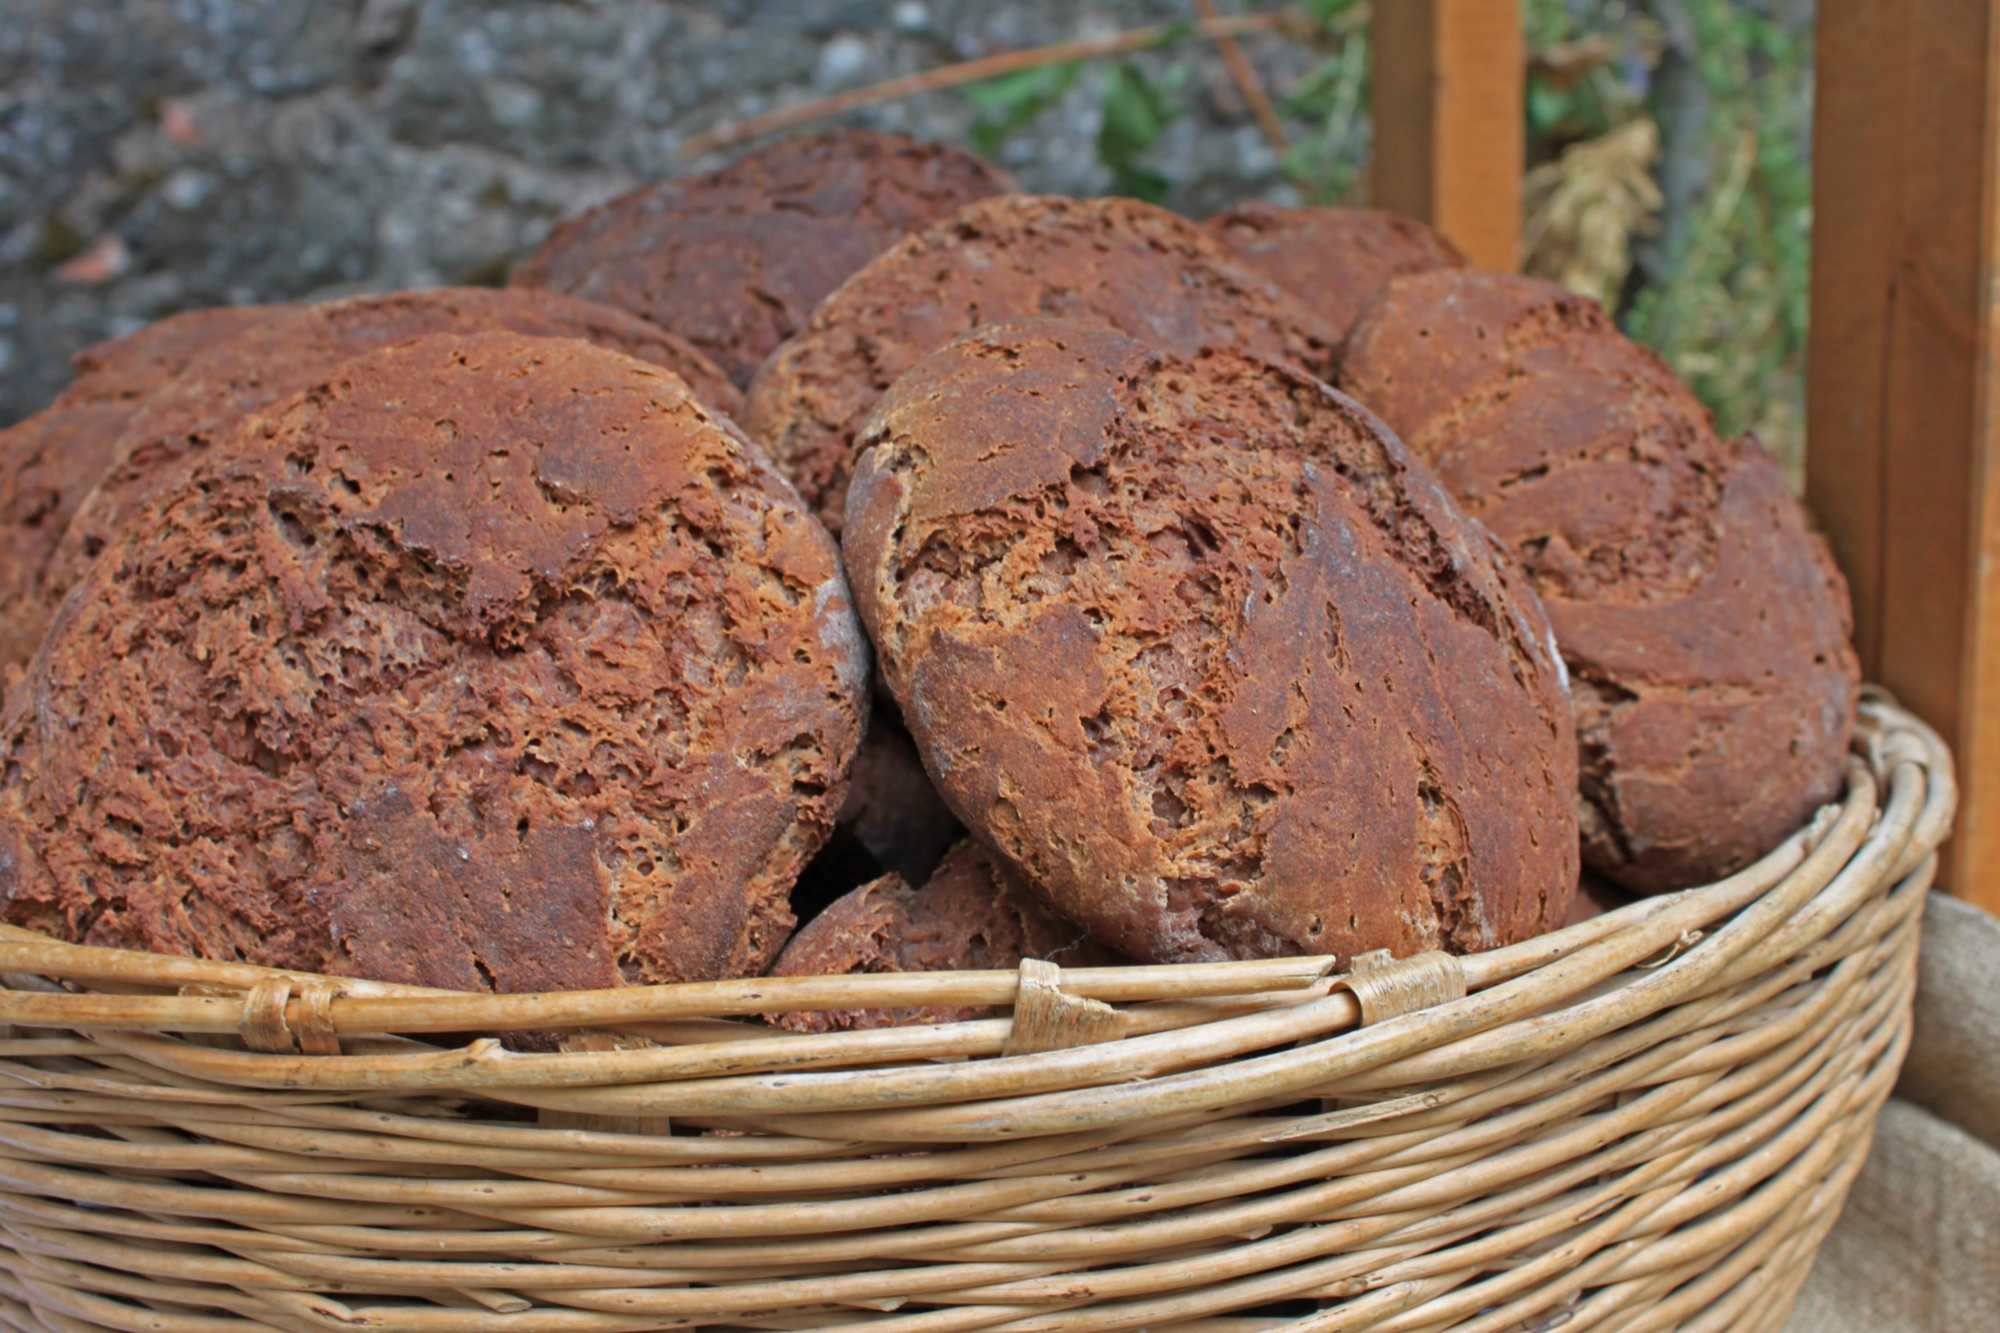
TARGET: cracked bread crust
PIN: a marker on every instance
(972, 915)
(1209, 660)
(49, 461)
(1333, 260)
(489, 662)
(166, 438)
(1140, 269)
(1704, 623)
(736, 260)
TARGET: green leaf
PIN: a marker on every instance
(1140, 183)
(998, 96)
(1135, 111)
(1012, 102)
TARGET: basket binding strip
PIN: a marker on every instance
(1647, 1121)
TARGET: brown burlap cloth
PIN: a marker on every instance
(1917, 1249)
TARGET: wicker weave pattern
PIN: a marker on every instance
(1644, 1122)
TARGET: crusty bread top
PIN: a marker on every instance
(735, 260)
(1140, 269)
(1200, 650)
(489, 661)
(1332, 260)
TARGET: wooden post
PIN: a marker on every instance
(1450, 133)
(1902, 431)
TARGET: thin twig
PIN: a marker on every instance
(1245, 76)
(986, 67)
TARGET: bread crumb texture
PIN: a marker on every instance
(1208, 660)
(1704, 622)
(1137, 268)
(736, 260)
(490, 662)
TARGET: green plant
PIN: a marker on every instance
(1325, 161)
(1731, 316)
(1012, 102)
(1136, 110)
(1328, 108)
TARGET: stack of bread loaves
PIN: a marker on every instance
(463, 638)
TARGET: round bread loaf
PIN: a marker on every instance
(164, 439)
(735, 260)
(1704, 623)
(972, 915)
(1207, 657)
(892, 810)
(1138, 268)
(49, 461)
(1332, 260)
(489, 662)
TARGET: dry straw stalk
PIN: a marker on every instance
(1647, 1121)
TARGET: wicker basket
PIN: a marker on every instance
(1645, 1121)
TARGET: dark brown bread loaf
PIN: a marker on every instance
(164, 440)
(1140, 269)
(1333, 260)
(1705, 626)
(488, 662)
(892, 808)
(1207, 657)
(970, 916)
(735, 260)
(51, 460)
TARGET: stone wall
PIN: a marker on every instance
(157, 155)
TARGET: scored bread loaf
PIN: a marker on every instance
(488, 662)
(1206, 656)
(735, 260)
(1703, 621)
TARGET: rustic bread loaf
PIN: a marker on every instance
(1201, 651)
(164, 440)
(735, 260)
(1704, 624)
(51, 460)
(487, 662)
(1140, 269)
(1332, 260)
(972, 915)
(893, 811)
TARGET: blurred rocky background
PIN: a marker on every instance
(157, 155)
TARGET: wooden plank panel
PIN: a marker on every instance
(1449, 126)
(1857, 207)
(1979, 829)
(1900, 429)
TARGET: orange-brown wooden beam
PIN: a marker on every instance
(1449, 125)
(1903, 435)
